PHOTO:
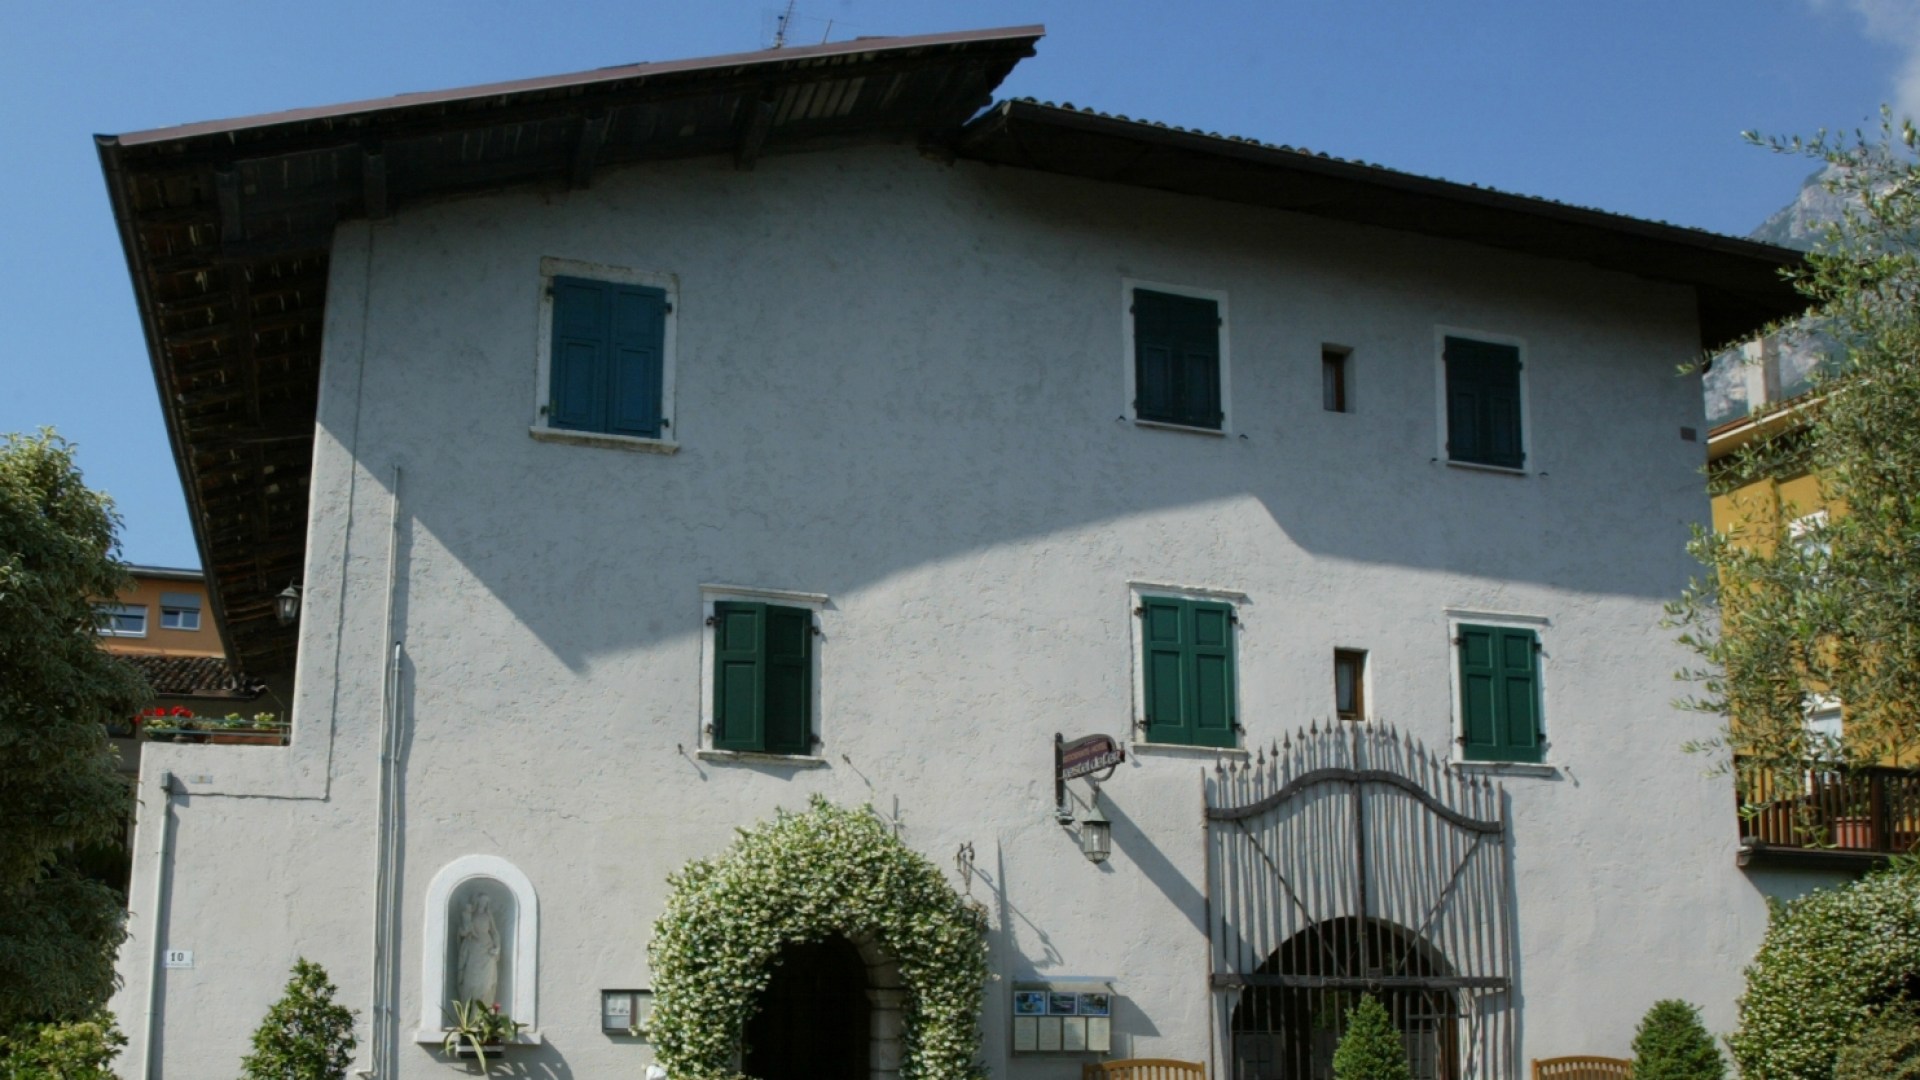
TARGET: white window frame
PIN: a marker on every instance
(817, 603)
(1440, 335)
(114, 611)
(1137, 592)
(1218, 296)
(179, 611)
(1542, 628)
(552, 267)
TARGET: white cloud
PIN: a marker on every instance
(1897, 23)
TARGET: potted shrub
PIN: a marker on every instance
(479, 1030)
(262, 729)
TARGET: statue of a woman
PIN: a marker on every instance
(479, 952)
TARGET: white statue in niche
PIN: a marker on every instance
(479, 952)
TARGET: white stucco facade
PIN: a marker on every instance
(901, 387)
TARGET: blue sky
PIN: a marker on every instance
(1634, 106)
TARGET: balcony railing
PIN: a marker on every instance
(1829, 814)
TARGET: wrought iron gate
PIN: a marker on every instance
(1351, 861)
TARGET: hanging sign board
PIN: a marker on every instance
(1082, 757)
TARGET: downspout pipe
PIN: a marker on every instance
(381, 1013)
(147, 1041)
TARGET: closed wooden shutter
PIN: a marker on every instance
(1187, 668)
(1483, 403)
(789, 681)
(608, 356)
(1500, 694)
(739, 676)
(1176, 342)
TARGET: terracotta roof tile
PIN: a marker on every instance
(194, 676)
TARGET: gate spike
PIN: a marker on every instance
(1303, 736)
(1276, 749)
(1313, 726)
(1260, 755)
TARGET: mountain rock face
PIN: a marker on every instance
(1798, 224)
(1782, 369)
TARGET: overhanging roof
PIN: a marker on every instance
(227, 227)
(1737, 281)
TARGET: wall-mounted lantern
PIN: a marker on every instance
(286, 604)
(1096, 832)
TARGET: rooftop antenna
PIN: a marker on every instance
(780, 25)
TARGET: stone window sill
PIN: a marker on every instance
(602, 439)
(1178, 750)
(438, 1037)
(754, 757)
(1507, 768)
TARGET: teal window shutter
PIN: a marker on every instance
(762, 678)
(1176, 345)
(1500, 694)
(1483, 403)
(607, 361)
(1188, 671)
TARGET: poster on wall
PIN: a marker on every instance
(1059, 1017)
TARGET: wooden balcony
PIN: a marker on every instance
(1828, 817)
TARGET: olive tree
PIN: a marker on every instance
(1787, 611)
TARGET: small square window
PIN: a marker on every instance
(1350, 684)
(1333, 378)
(179, 611)
(121, 620)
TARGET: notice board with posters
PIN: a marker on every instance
(1063, 1016)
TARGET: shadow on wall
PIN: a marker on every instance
(841, 426)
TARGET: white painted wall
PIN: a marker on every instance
(898, 384)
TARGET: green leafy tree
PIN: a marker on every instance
(1889, 1048)
(70, 1050)
(1788, 610)
(1372, 1048)
(1672, 1044)
(59, 789)
(306, 1036)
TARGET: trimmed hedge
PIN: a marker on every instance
(1889, 1048)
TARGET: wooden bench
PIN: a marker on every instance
(1582, 1068)
(1144, 1069)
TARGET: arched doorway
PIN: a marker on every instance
(1290, 1031)
(815, 1018)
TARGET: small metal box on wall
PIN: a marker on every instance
(1063, 1016)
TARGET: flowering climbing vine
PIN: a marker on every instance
(804, 877)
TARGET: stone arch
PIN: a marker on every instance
(464, 877)
(802, 878)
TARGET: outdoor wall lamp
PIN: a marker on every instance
(286, 604)
(1096, 832)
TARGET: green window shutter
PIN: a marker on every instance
(1499, 694)
(1163, 632)
(1188, 671)
(1176, 344)
(789, 681)
(635, 364)
(739, 676)
(608, 357)
(578, 361)
(1212, 673)
(1483, 403)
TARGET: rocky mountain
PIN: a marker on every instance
(1798, 224)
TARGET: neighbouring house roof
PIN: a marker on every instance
(194, 676)
(227, 228)
(164, 573)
